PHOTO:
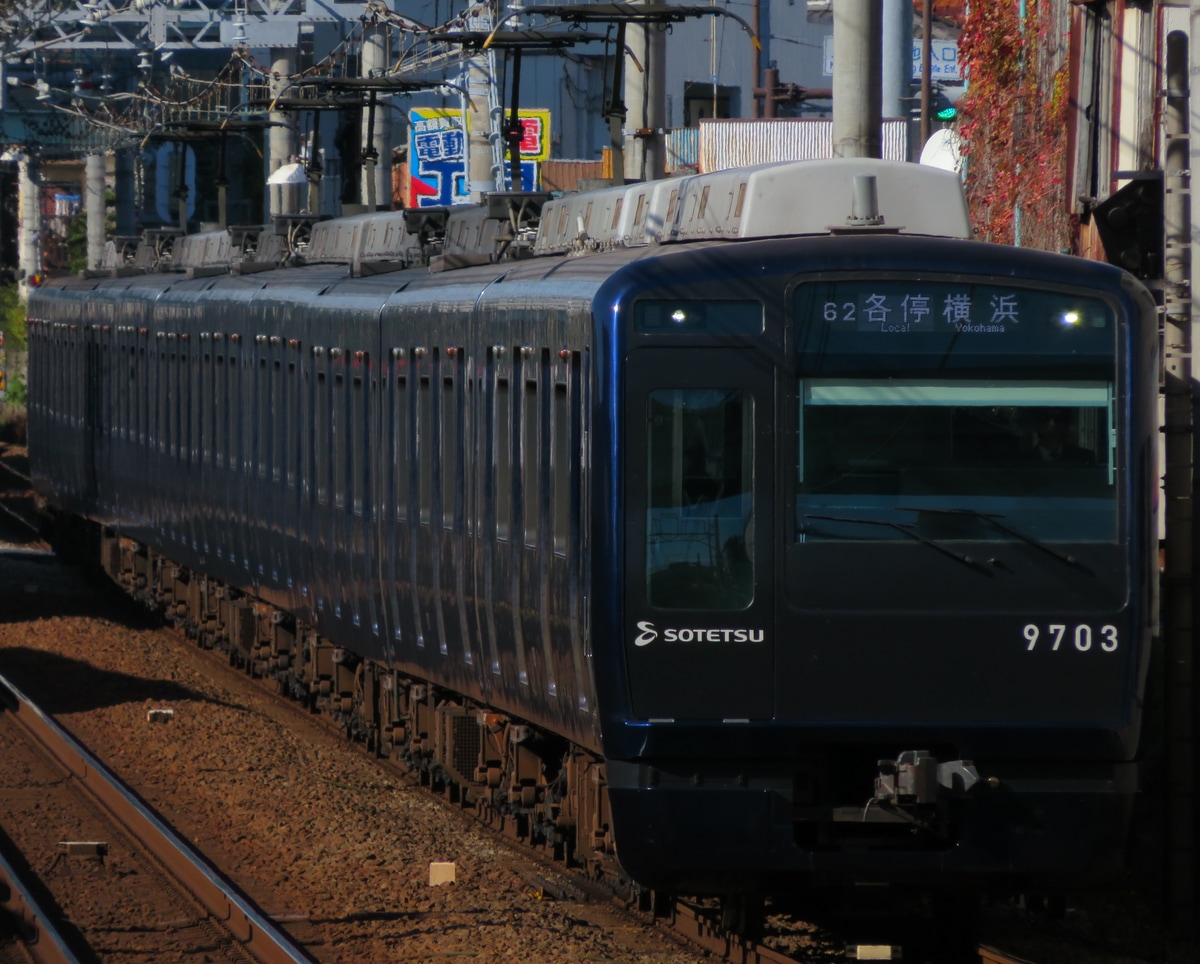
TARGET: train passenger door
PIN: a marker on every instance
(699, 521)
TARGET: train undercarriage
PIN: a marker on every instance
(531, 785)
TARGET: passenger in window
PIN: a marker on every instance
(1052, 438)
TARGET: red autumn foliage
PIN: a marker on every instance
(1013, 124)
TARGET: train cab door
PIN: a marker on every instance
(699, 523)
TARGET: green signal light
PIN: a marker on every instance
(947, 113)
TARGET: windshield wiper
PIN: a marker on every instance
(994, 519)
(909, 530)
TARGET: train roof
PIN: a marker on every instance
(788, 199)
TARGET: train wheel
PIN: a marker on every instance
(743, 914)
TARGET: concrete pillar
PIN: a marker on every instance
(94, 200)
(856, 78)
(897, 58)
(377, 124)
(29, 229)
(124, 189)
(281, 142)
(646, 103)
(1181, 393)
(481, 168)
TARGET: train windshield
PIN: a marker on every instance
(954, 410)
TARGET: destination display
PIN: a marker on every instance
(898, 307)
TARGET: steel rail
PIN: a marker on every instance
(703, 931)
(39, 938)
(6, 468)
(235, 913)
(989, 955)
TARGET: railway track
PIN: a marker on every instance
(27, 931)
(181, 900)
(19, 520)
(990, 955)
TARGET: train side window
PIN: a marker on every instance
(543, 520)
(123, 393)
(105, 368)
(163, 403)
(321, 438)
(529, 469)
(339, 439)
(401, 414)
(172, 404)
(221, 413)
(205, 406)
(262, 429)
(699, 499)
(168, 401)
(292, 404)
(436, 449)
(161, 419)
(281, 414)
(560, 454)
(136, 377)
(145, 376)
(359, 433)
(237, 426)
(197, 406)
(181, 411)
(503, 458)
(451, 463)
(425, 448)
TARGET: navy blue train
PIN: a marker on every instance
(742, 533)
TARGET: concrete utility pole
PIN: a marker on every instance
(1178, 608)
(646, 102)
(29, 181)
(94, 170)
(481, 176)
(377, 123)
(926, 70)
(897, 57)
(857, 34)
(281, 142)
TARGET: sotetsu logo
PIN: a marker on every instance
(649, 633)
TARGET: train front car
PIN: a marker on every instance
(883, 563)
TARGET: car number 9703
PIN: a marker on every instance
(1083, 637)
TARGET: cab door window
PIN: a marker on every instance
(700, 501)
